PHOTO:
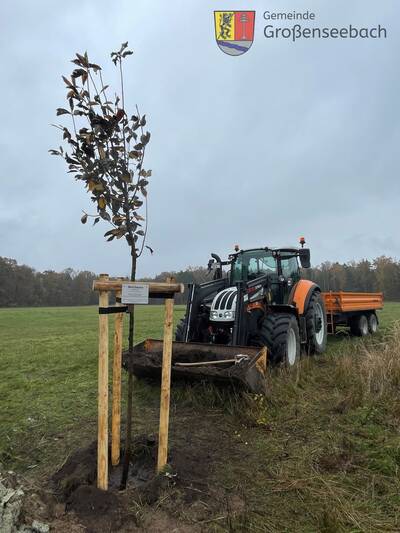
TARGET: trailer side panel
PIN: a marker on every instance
(350, 302)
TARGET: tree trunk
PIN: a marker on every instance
(132, 313)
(128, 439)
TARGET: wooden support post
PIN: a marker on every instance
(102, 428)
(262, 361)
(116, 390)
(165, 384)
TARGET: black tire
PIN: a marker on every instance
(316, 325)
(280, 333)
(359, 326)
(372, 323)
(180, 330)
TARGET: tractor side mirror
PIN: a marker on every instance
(304, 255)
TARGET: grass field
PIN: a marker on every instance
(322, 453)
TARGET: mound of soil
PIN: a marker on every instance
(79, 469)
(98, 510)
(75, 483)
(184, 498)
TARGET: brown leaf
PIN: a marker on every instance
(62, 111)
(119, 114)
(83, 59)
(144, 139)
(78, 72)
(68, 83)
(95, 67)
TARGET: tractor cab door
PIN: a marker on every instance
(290, 274)
(252, 264)
(266, 264)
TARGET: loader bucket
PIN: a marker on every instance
(241, 366)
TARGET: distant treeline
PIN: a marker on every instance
(22, 286)
(379, 275)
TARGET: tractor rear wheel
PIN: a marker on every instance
(280, 333)
(180, 330)
(316, 325)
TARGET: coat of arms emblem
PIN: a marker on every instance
(234, 31)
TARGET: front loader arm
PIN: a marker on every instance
(197, 294)
(249, 292)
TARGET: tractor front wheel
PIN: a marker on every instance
(280, 333)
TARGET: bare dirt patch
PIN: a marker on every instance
(184, 498)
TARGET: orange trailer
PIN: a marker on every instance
(356, 310)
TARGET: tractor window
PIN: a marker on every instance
(252, 264)
(290, 267)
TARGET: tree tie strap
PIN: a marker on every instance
(113, 309)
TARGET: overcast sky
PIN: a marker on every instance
(289, 139)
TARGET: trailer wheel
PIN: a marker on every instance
(280, 333)
(180, 330)
(359, 326)
(316, 325)
(372, 323)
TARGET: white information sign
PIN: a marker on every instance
(135, 293)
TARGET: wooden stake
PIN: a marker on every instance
(165, 384)
(102, 429)
(262, 361)
(116, 390)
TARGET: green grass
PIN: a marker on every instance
(320, 454)
(48, 379)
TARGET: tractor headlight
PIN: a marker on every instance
(214, 315)
(228, 315)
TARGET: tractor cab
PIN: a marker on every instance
(248, 265)
(280, 267)
(277, 268)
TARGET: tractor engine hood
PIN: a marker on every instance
(224, 305)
